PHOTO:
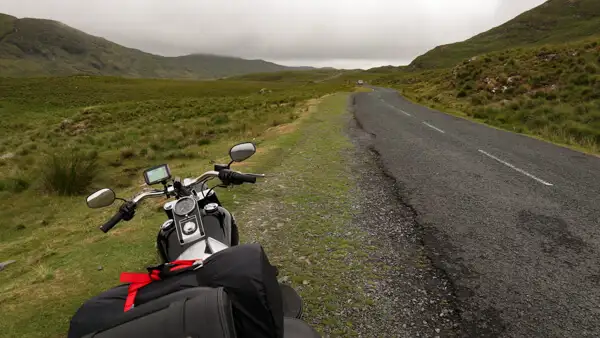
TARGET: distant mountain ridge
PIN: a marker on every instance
(555, 21)
(39, 47)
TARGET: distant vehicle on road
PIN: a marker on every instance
(360, 82)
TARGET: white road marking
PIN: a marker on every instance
(398, 109)
(515, 168)
(434, 127)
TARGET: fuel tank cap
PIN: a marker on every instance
(211, 207)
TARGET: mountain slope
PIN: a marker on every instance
(36, 47)
(556, 21)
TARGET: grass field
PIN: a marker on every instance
(128, 125)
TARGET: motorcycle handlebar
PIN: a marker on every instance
(127, 210)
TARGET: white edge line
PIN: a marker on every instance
(403, 112)
(515, 168)
(434, 127)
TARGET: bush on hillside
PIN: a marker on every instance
(14, 185)
(68, 173)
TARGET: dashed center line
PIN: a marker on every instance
(434, 127)
(481, 151)
(398, 109)
(515, 168)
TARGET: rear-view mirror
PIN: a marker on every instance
(101, 198)
(242, 151)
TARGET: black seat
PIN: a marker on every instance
(196, 312)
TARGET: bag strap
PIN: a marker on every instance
(139, 280)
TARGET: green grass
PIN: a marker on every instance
(55, 239)
(556, 21)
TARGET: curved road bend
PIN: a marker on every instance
(513, 221)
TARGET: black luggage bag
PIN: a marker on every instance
(195, 312)
(243, 271)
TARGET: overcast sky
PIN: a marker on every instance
(338, 33)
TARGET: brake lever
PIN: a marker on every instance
(255, 175)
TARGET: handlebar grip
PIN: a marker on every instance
(112, 222)
(235, 176)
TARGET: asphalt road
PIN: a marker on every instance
(513, 221)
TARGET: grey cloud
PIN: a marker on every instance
(311, 31)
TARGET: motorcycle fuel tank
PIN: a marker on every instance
(217, 223)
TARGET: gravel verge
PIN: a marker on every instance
(411, 294)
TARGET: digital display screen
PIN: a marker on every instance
(158, 174)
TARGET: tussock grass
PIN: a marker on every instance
(68, 173)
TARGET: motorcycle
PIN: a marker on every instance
(197, 225)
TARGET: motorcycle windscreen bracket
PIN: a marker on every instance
(159, 174)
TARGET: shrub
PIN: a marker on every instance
(68, 173)
(179, 154)
(479, 114)
(514, 106)
(203, 141)
(156, 146)
(462, 93)
(537, 122)
(127, 153)
(220, 119)
(581, 109)
(14, 185)
(115, 162)
(590, 69)
(581, 79)
(23, 152)
(477, 100)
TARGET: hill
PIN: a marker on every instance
(37, 47)
(556, 21)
